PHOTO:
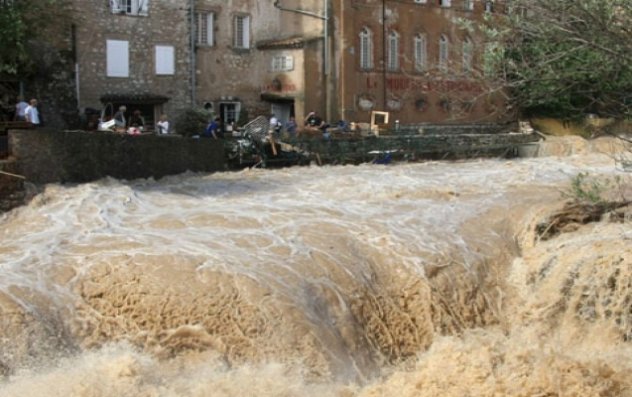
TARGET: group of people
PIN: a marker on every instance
(312, 122)
(136, 123)
(27, 112)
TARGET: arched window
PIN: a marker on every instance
(366, 49)
(444, 53)
(420, 45)
(468, 50)
(393, 51)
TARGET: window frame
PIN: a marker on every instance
(241, 39)
(420, 52)
(392, 61)
(444, 52)
(159, 67)
(366, 49)
(130, 7)
(282, 63)
(112, 60)
(467, 49)
(205, 19)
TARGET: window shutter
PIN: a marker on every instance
(210, 28)
(246, 32)
(290, 63)
(117, 58)
(143, 7)
(115, 6)
(165, 60)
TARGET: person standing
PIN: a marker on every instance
(162, 125)
(214, 130)
(119, 118)
(31, 113)
(20, 109)
(291, 127)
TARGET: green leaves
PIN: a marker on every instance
(566, 58)
(20, 22)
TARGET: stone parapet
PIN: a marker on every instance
(48, 156)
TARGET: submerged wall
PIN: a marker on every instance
(47, 156)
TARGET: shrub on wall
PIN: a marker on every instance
(192, 121)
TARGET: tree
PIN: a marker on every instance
(21, 22)
(564, 58)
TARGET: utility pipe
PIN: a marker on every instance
(192, 38)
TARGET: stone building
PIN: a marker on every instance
(413, 59)
(132, 52)
(253, 58)
(243, 58)
(410, 58)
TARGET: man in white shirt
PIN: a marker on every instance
(162, 125)
(20, 108)
(32, 114)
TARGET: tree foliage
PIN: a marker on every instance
(21, 22)
(565, 58)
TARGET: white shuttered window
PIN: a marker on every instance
(117, 58)
(165, 60)
(241, 35)
(366, 49)
(204, 28)
(420, 52)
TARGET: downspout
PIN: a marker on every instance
(341, 49)
(384, 54)
(326, 56)
(192, 49)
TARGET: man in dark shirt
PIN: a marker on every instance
(214, 130)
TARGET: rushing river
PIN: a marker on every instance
(406, 280)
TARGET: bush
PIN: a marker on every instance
(192, 121)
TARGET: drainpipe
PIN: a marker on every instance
(192, 45)
(384, 54)
(325, 19)
(341, 49)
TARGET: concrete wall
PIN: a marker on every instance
(46, 156)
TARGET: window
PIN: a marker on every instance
(229, 111)
(468, 5)
(393, 51)
(204, 24)
(444, 53)
(489, 6)
(117, 58)
(165, 60)
(366, 49)
(130, 7)
(241, 35)
(445, 3)
(420, 52)
(490, 59)
(467, 55)
(284, 63)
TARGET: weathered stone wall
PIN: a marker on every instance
(12, 193)
(46, 156)
(167, 23)
(411, 147)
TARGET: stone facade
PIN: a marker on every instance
(245, 58)
(330, 79)
(421, 65)
(268, 73)
(150, 34)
